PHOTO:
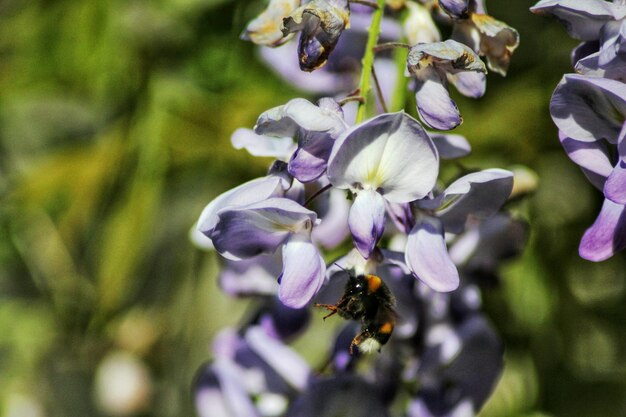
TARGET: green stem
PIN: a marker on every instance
(398, 100)
(368, 58)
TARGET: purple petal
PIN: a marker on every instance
(592, 157)
(479, 364)
(322, 81)
(470, 84)
(583, 50)
(614, 70)
(259, 145)
(309, 161)
(451, 146)
(252, 276)
(303, 272)
(480, 194)
(282, 359)
(250, 192)
(588, 109)
(457, 9)
(334, 226)
(220, 392)
(583, 19)
(427, 256)
(390, 153)
(257, 228)
(367, 221)
(615, 186)
(298, 115)
(607, 235)
(483, 246)
(401, 215)
(434, 105)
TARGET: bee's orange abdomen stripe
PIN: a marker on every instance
(386, 328)
(373, 283)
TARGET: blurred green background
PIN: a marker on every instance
(115, 123)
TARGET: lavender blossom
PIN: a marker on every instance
(315, 129)
(477, 195)
(590, 114)
(389, 157)
(590, 109)
(431, 64)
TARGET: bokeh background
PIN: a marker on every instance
(115, 123)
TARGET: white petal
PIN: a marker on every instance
(390, 153)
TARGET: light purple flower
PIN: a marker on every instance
(248, 367)
(433, 65)
(592, 110)
(389, 157)
(263, 227)
(602, 27)
(459, 368)
(607, 235)
(450, 146)
(252, 276)
(588, 108)
(333, 209)
(583, 19)
(478, 195)
(273, 185)
(315, 129)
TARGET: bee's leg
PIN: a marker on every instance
(333, 309)
(357, 340)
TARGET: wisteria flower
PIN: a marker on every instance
(590, 114)
(251, 374)
(583, 19)
(265, 29)
(419, 26)
(601, 26)
(461, 364)
(388, 158)
(341, 72)
(488, 37)
(265, 226)
(321, 23)
(273, 185)
(477, 195)
(432, 64)
(315, 129)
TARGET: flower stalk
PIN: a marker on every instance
(368, 58)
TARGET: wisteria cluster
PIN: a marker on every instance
(589, 108)
(339, 177)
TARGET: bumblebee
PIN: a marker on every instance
(366, 298)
